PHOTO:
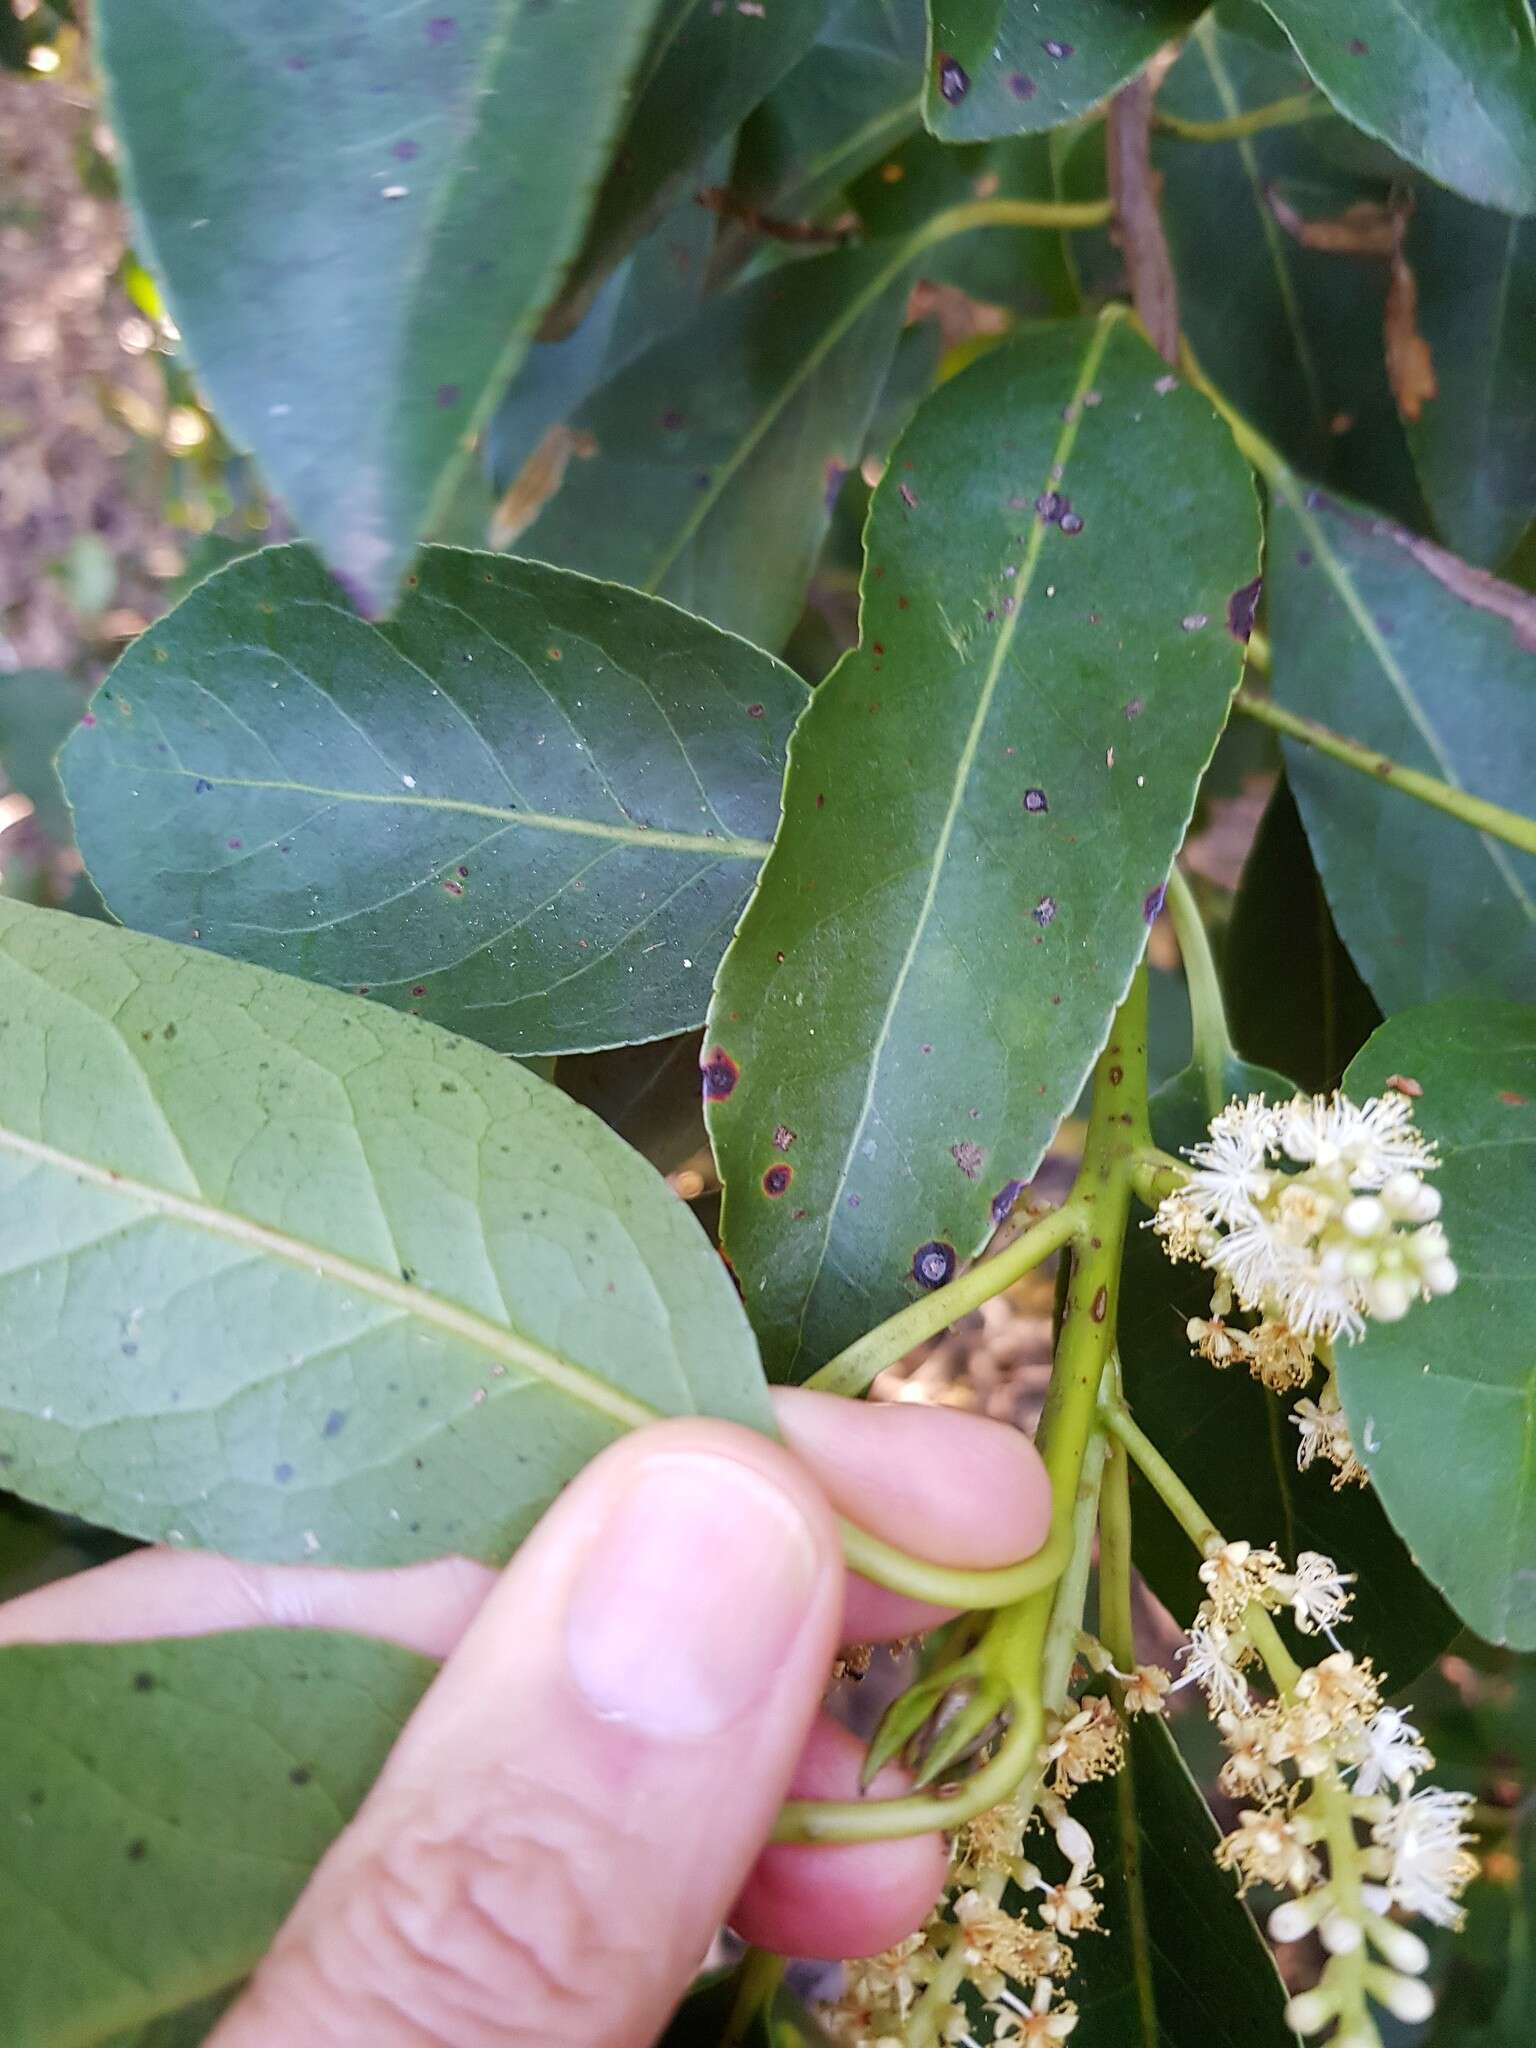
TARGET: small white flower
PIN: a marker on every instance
(1430, 1863)
(1317, 1592)
(1231, 1174)
(1370, 1142)
(1394, 1753)
(1211, 1661)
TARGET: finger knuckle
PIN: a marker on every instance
(481, 1919)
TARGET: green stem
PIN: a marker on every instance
(1208, 1013)
(1284, 113)
(947, 1585)
(1156, 1174)
(1483, 816)
(1166, 1483)
(853, 1369)
(1011, 213)
(1014, 1647)
(1116, 1618)
(759, 1976)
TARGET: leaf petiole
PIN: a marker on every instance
(1208, 1013)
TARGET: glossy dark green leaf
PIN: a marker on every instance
(357, 214)
(1232, 1443)
(295, 1277)
(982, 806)
(1402, 647)
(1475, 440)
(1182, 1965)
(855, 94)
(704, 70)
(1026, 272)
(708, 466)
(1440, 1405)
(1450, 84)
(530, 807)
(1294, 1000)
(1292, 335)
(165, 1803)
(653, 291)
(1008, 67)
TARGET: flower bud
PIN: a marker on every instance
(1074, 1842)
(1311, 2011)
(1388, 1298)
(1404, 1997)
(1364, 1216)
(1400, 1945)
(1440, 1276)
(1340, 1935)
(1298, 1917)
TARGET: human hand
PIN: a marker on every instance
(584, 1794)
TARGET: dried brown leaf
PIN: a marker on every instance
(1364, 229)
(1410, 365)
(537, 482)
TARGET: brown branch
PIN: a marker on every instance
(1133, 186)
(721, 200)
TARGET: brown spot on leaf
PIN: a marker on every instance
(1100, 1307)
(537, 482)
(720, 1074)
(967, 1157)
(776, 1181)
(1243, 608)
(1404, 1084)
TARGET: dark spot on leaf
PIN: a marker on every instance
(1135, 708)
(138, 1849)
(1004, 1199)
(1405, 1084)
(783, 1137)
(202, 786)
(300, 1774)
(404, 152)
(334, 1423)
(1151, 909)
(1512, 1100)
(1304, 558)
(442, 28)
(144, 1681)
(720, 1073)
(419, 989)
(776, 1181)
(967, 1157)
(933, 1265)
(447, 394)
(1057, 50)
(234, 845)
(1050, 505)
(169, 1032)
(1242, 609)
(1116, 1076)
(1071, 522)
(671, 420)
(1358, 48)
(1034, 800)
(282, 1473)
(754, 711)
(1021, 85)
(954, 80)
(1044, 911)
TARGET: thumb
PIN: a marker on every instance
(568, 1816)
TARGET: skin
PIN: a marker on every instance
(584, 1794)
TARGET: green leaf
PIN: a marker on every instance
(530, 807)
(1291, 335)
(357, 214)
(983, 803)
(1384, 637)
(705, 69)
(1232, 1443)
(38, 707)
(1441, 1405)
(1294, 1000)
(189, 2028)
(1011, 67)
(1475, 441)
(167, 1802)
(708, 466)
(300, 1278)
(1181, 1962)
(1450, 84)
(854, 95)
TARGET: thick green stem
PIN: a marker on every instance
(1476, 811)
(1117, 1625)
(947, 1585)
(758, 1979)
(1285, 113)
(853, 1369)
(1207, 1011)
(1014, 1647)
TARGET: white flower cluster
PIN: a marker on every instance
(1313, 1215)
(1014, 1962)
(1330, 1808)
(1314, 1212)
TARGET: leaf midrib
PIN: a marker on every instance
(724, 846)
(562, 1374)
(1093, 355)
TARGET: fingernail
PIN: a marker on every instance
(696, 1588)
